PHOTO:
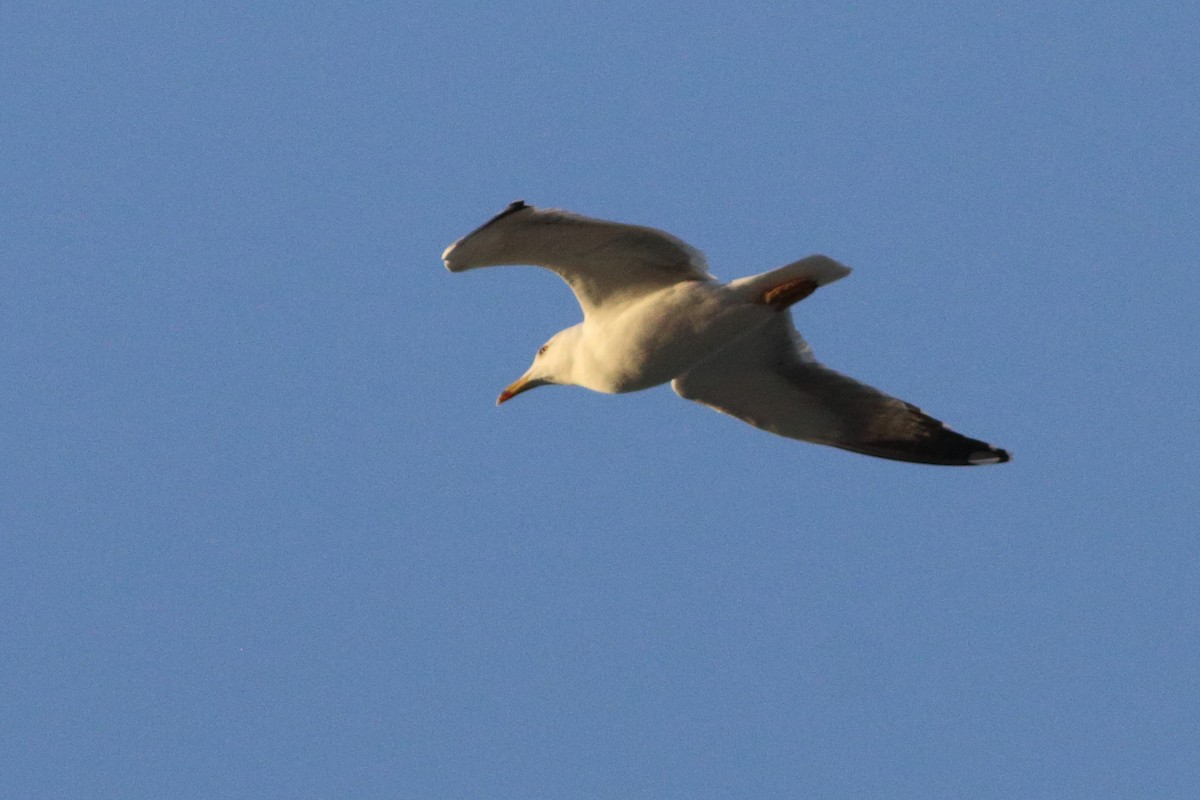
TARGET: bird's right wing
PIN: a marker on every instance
(771, 380)
(601, 261)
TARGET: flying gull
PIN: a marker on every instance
(652, 314)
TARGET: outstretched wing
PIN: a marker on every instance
(600, 261)
(771, 380)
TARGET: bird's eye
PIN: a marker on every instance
(543, 349)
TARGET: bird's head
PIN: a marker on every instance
(552, 364)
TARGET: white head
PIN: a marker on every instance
(553, 363)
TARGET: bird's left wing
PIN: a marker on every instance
(771, 380)
(601, 261)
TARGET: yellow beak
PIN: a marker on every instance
(521, 384)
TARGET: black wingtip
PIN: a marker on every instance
(992, 455)
(932, 443)
(511, 208)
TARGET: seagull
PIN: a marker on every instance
(652, 313)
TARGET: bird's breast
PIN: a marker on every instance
(663, 334)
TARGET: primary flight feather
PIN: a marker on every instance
(652, 314)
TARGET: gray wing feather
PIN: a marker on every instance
(771, 380)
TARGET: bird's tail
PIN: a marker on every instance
(818, 270)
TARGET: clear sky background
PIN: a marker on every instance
(265, 534)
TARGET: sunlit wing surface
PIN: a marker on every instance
(601, 261)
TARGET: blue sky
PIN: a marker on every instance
(266, 535)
